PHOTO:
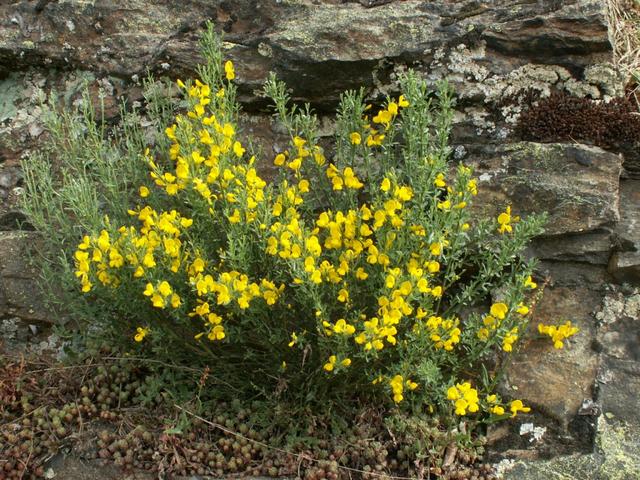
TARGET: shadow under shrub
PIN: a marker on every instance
(352, 281)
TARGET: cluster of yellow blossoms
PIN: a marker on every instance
(331, 363)
(466, 400)
(159, 236)
(302, 151)
(497, 313)
(558, 333)
(204, 166)
(398, 384)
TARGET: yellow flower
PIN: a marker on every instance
(350, 179)
(295, 164)
(374, 139)
(497, 410)
(238, 149)
(509, 339)
(499, 310)
(175, 301)
(103, 241)
(530, 283)
(453, 394)
(141, 332)
(294, 339)
(343, 295)
(229, 70)
(164, 288)
(465, 398)
(558, 333)
(384, 117)
(361, 274)
(144, 191)
(355, 138)
(148, 290)
(385, 185)
(235, 218)
(504, 220)
(483, 334)
(517, 406)
(329, 366)
(446, 205)
(403, 194)
(216, 333)
(397, 387)
(346, 362)
(433, 266)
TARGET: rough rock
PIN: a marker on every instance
(555, 383)
(619, 341)
(322, 48)
(614, 455)
(615, 458)
(576, 184)
(19, 294)
(561, 379)
(593, 247)
(625, 262)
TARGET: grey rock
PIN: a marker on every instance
(627, 229)
(580, 196)
(625, 267)
(319, 48)
(591, 247)
(561, 379)
(615, 458)
(19, 293)
(619, 340)
(6, 180)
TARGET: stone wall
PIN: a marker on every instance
(494, 53)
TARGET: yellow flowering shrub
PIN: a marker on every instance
(359, 273)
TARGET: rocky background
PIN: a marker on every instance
(531, 79)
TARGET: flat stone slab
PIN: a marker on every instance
(616, 458)
(625, 262)
(19, 294)
(576, 184)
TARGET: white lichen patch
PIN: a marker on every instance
(536, 433)
(581, 89)
(462, 61)
(265, 50)
(504, 466)
(613, 307)
(619, 446)
(609, 79)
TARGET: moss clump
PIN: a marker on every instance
(562, 117)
